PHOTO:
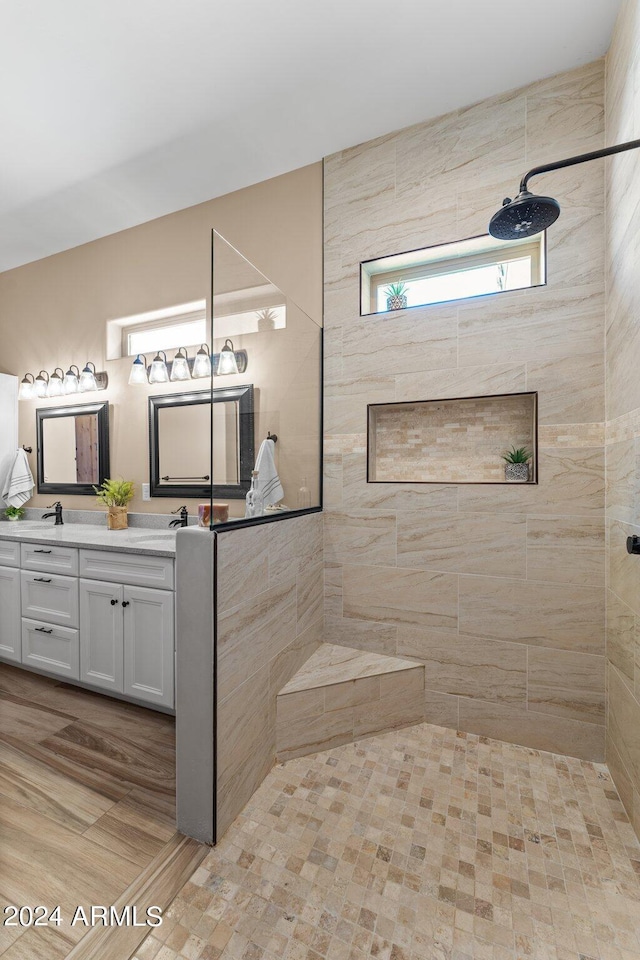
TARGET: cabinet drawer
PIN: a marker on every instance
(49, 598)
(50, 647)
(49, 559)
(9, 553)
(133, 568)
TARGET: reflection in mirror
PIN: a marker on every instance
(180, 430)
(184, 458)
(73, 448)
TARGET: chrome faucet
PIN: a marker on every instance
(57, 514)
(182, 520)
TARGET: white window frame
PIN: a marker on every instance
(448, 258)
(119, 330)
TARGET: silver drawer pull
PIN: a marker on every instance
(42, 579)
(43, 551)
(43, 630)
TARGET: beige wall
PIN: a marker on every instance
(623, 410)
(53, 312)
(498, 590)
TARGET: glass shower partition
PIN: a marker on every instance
(266, 384)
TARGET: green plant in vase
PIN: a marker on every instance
(115, 495)
(14, 513)
(396, 294)
(516, 468)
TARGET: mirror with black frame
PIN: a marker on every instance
(181, 429)
(73, 448)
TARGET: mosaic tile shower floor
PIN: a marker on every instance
(418, 844)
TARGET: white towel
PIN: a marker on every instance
(18, 487)
(268, 480)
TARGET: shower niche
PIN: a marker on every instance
(459, 440)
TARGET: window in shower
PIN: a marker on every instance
(475, 267)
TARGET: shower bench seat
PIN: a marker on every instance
(342, 694)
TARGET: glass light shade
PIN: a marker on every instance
(70, 382)
(138, 373)
(40, 384)
(202, 363)
(180, 366)
(26, 390)
(54, 387)
(227, 360)
(87, 382)
(159, 372)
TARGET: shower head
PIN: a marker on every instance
(524, 216)
(528, 214)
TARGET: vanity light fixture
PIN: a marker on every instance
(180, 366)
(138, 373)
(87, 382)
(159, 372)
(26, 390)
(54, 387)
(40, 384)
(71, 380)
(227, 360)
(202, 362)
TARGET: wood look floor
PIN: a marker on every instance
(87, 805)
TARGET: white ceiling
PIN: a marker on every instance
(113, 112)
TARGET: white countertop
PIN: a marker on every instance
(150, 541)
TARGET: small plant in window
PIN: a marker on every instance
(396, 294)
(14, 513)
(266, 319)
(516, 468)
(116, 494)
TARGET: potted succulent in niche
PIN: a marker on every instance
(14, 513)
(516, 469)
(115, 494)
(396, 294)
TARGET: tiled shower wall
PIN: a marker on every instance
(269, 582)
(498, 590)
(623, 410)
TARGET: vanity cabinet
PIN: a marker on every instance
(102, 618)
(10, 614)
(127, 640)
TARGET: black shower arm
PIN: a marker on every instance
(582, 158)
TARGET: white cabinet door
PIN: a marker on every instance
(149, 645)
(10, 614)
(101, 634)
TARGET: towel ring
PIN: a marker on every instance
(272, 436)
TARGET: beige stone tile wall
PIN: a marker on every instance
(456, 441)
(623, 410)
(498, 590)
(269, 609)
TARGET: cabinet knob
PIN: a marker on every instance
(113, 603)
(125, 603)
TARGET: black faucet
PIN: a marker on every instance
(58, 513)
(182, 520)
